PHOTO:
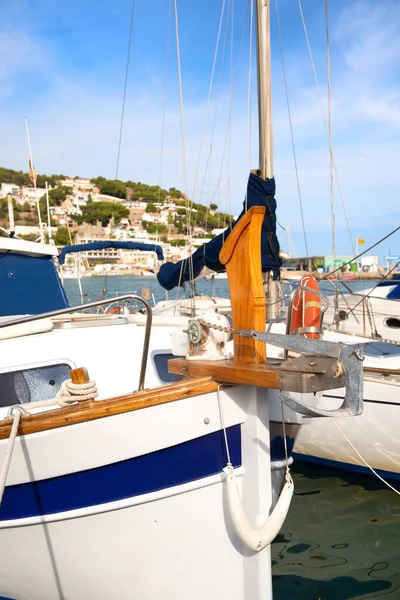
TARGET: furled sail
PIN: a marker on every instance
(260, 192)
(110, 244)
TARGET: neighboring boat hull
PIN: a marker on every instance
(375, 434)
(372, 317)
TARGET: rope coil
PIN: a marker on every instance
(69, 393)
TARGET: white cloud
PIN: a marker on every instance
(75, 126)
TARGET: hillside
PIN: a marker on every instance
(198, 215)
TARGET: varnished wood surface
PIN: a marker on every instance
(79, 376)
(91, 410)
(228, 371)
(241, 255)
(380, 371)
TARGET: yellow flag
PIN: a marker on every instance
(360, 241)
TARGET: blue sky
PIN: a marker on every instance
(63, 65)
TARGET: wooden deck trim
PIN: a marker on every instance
(381, 371)
(91, 410)
(228, 371)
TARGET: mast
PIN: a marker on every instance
(265, 133)
(264, 79)
(11, 214)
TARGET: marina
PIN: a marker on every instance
(188, 409)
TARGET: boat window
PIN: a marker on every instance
(31, 385)
(160, 360)
(393, 323)
(380, 349)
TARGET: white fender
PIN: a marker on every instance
(257, 538)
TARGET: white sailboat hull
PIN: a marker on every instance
(375, 434)
(134, 506)
(372, 317)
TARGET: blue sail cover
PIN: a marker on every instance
(260, 192)
(111, 244)
(29, 285)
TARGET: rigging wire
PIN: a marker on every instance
(231, 102)
(365, 296)
(184, 164)
(211, 148)
(182, 118)
(209, 96)
(361, 254)
(164, 100)
(228, 182)
(328, 73)
(125, 88)
(331, 187)
(325, 123)
(291, 126)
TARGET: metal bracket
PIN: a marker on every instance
(319, 373)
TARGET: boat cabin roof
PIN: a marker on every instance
(16, 246)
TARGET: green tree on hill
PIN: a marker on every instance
(101, 211)
(151, 208)
(113, 188)
(61, 237)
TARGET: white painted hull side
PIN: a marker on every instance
(375, 433)
(377, 316)
(163, 529)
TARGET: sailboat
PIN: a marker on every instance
(157, 493)
(373, 312)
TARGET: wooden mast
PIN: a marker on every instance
(241, 253)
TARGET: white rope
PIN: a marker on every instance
(255, 538)
(383, 380)
(357, 452)
(69, 393)
(221, 416)
(16, 412)
(288, 476)
(363, 459)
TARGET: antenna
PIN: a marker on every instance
(33, 178)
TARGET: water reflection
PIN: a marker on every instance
(341, 539)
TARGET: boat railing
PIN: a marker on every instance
(90, 305)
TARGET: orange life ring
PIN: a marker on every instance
(306, 308)
(115, 310)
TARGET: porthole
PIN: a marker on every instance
(393, 323)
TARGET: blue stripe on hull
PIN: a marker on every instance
(336, 464)
(152, 472)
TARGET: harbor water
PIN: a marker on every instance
(341, 539)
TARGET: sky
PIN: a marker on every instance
(63, 66)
